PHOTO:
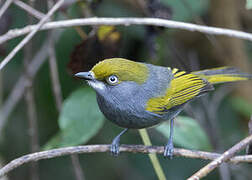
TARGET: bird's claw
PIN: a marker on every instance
(114, 149)
(168, 151)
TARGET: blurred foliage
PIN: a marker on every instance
(187, 133)
(186, 10)
(242, 106)
(249, 4)
(80, 121)
(101, 45)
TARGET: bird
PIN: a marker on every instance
(136, 95)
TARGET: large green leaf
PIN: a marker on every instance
(187, 133)
(80, 119)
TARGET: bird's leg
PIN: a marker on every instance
(114, 148)
(168, 151)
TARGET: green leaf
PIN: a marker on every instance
(242, 106)
(249, 4)
(80, 119)
(187, 133)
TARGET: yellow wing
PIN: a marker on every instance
(183, 87)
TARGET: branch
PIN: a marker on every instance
(106, 148)
(249, 147)
(31, 34)
(54, 74)
(224, 157)
(19, 88)
(29, 9)
(5, 7)
(31, 107)
(126, 22)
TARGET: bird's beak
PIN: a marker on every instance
(85, 75)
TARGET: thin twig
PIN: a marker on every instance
(55, 76)
(79, 175)
(211, 109)
(33, 128)
(5, 7)
(106, 148)
(224, 157)
(31, 107)
(31, 34)
(58, 99)
(19, 88)
(249, 147)
(77, 167)
(29, 9)
(126, 22)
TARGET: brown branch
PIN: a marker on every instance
(18, 90)
(249, 147)
(33, 128)
(55, 75)
(58, 100)
(106, 148)
(31, 34)
(5, 7)
(126, 22)
(223, 158)
(29, 9)
(31, 106)
(77, 167)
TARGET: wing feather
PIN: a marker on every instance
(183, 87)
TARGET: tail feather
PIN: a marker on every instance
(223, 74)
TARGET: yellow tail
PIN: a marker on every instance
(223, 74)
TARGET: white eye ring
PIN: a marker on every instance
(112, 80)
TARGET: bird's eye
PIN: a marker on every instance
(112, 80)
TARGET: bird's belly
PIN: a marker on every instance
(127, 116)
(133, 121)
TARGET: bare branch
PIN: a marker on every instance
(106, 148)
(33, 128)
(5, 7)
(126, 22)
(31, 107)
(224, 157)
(31, 34)
(19, 88)
(29, 9)
(249, 147)
(58, 100)
(77, 167)
(55, 76)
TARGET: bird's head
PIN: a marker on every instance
(113, 72)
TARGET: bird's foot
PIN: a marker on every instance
(114, 148)
(168, 150)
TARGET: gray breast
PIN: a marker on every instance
(124, 104)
